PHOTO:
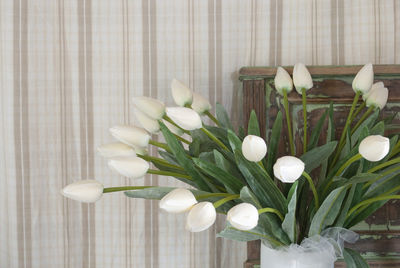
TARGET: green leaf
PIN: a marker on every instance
(378, 129)
(289, 223)
(253, 127)
(318, 155)
(274, 142)
(261, 184)
(181, 156)
(227, 165)
(329, 136)
(232, 184)
(367, 123)
(234, 141)
(315, 134)
(328, 211)
(223, 117)
(169, 157)
(343, 213)
(156, 193)
(242, 133)
(353, 259)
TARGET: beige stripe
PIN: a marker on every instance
(218, 49)
(334, 32)
(211, 51)
(341, 56)
(275, 52)
(395, 3)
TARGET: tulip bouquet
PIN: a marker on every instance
(281, 201)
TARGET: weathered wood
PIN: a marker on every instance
(380, 233)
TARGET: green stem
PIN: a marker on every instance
(166, 117)
(168, 173)
(182, 139)
(346, 126)
(304, 101)
(359, 109)
(372, 200)
(124, 188)
(215, 120)
(289, 125)
(160, 161)
(312, 186)
(385, 164)
(226, 199)
(362, 119)
(160, 145)
(348, 163)
(271, 210)
(261, 165)
(211, 136)
(396, 149)
(205, 196)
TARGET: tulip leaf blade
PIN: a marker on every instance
(223, 117)
(232, 184)
(353, 259)
(289, 223)
(328, 211)
(244, 236)
(274, 142)
(367, 123)
(182, 158)
(253, 127)
(227, 164)
(343, 212)
(234, 141)
(315, 157)
(315, 134)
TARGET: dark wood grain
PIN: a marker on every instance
(333, 84)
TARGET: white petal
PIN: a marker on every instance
(374, 148)
(288, 169)
(201, 217)
(243, 216)
(301, 77)
(254, 148)
(184, 117)
(128, 166)
(146, 122)
(115, 149)
(364, 79)
(377, 97)
(172, 128)
(87, 191)
(178, 201)
(375, 86)
(200, 104)
(153, 108)
(130, 135)
(283, 81)
(181, 94)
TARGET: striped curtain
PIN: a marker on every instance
(68, 72)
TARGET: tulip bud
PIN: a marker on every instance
(184, 117)
(87, 191)
(140, 150)
(172, 128)
(374, 148)
(301, 77)
(146, 122)
(178, 201)
(288, 168)
(375, 86)
(200, 104)
(201, 217)
(377, 97)
(181, 94)
(128, 166)
(153, 108)
(115, 149)
(364, 79)
(254, 148)
(243, 216)
(130, 135)
(283, 81)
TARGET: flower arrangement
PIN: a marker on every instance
(281, 201)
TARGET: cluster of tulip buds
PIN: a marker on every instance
(127, 155)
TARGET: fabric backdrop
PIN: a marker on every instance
(68, 72)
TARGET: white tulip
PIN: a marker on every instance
(200, 104)
(128, 166)
(301, 77)
(153, 108)
(375, 86)
(178, 201)
(288, 168)
(254, 148)
(140, 150)
(146, 122)
(377, 97)
(172, 128)
(243, 216)
(184, 117)
(364, 79)
(115, 149)
(374, 148)
(201, 217)
(283, 81)
(131, 135)
(87, 191)
(181, 94)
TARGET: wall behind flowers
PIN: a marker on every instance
(69, 70)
